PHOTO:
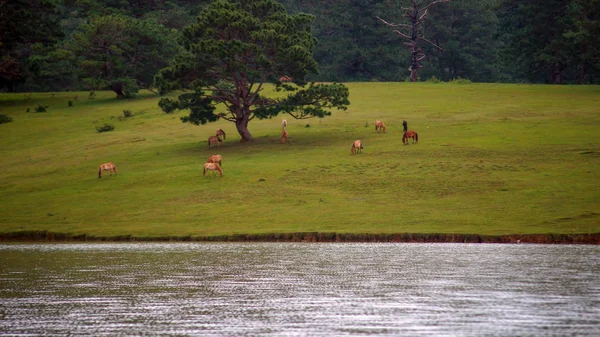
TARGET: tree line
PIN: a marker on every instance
(51, 45)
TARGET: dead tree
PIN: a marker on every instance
(413, 32)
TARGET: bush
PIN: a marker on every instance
(105, 128)
(70, 103)
(41, 108)
(5, 119)
(460, 80)
(434, 79)
(127, 113)
(92, 95)
(28, 110)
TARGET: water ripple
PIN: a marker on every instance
(293, 289)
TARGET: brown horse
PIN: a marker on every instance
(379, 126)
(356, 147)
(284, 136)
(285, 79)
(214, 140)
(212, 167)
(410, 134)
(215, 158)
(107, 167)
(284, 124)
(220, 133)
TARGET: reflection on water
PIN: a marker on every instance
(299, 289)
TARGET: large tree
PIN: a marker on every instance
(232, 51)
(122, 53)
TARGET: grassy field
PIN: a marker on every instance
(492, 159)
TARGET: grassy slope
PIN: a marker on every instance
(492, 159)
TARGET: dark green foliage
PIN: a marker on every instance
(50, 45)
(24, 23)
(121, 53)
(70, 103)
(5, 119)
(231, 51)
(41, 108)
(92, 95)
(105, 128)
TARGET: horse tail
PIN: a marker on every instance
(417, 137)
(220, 170)
(205, 171)
(224, 135)
(100, 172)
(115, 168)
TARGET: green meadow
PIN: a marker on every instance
(492, 159)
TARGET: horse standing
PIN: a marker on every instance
(379, 126)
(220, 133)
(215, 158)
(284, 136)
(214, 140)
(212, 167)
(284, 124)
(410, 134)
(356, 147)
(285, 79)
(107, 167)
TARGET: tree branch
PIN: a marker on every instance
(433, 44)
(402, 34)
(394, 24)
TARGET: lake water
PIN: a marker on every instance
(299, 289)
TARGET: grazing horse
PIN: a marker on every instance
(356, 147)
(410, 134)
(220, 133)
(285, 79)
(214, 140)
(379, 126)
(215, 158)
(212, 167)
(284, 136)
(107, 167)
(284, 124)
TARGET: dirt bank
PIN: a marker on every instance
(47, 236)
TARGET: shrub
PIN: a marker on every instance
(41, 108)
(5, 119)
(460, 80)
(70, 103)
(92, 95)
(105, 128)
(127, 113)
(433, 79)
(28, 110)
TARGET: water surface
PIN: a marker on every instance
(299, 289)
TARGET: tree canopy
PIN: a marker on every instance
(232, 51)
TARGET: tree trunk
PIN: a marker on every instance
(118, 89)
(557, 73)
(241, 123)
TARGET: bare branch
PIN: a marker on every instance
(433, 44)
(423, 16)
(394, 24)
(402, 34)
